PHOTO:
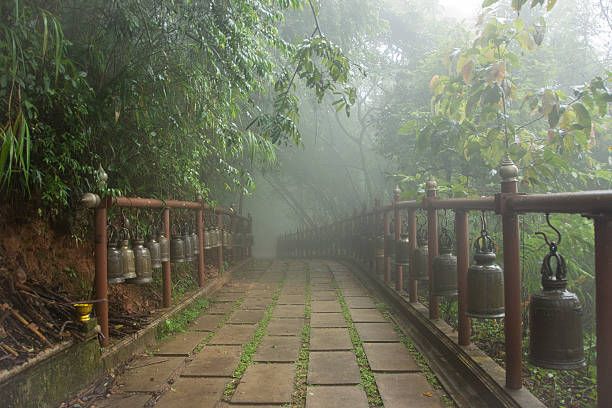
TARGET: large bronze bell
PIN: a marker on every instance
(155, 251)
(142, 257)
(177, 248)
(188, 244)
(555, 317)
(164, 247)
(127, 255)
(445, 269)
(114, 267)
(380, 248)
(402, 253)
(207, 239)
(485, 281)
(216, 238)
(419, 268)
(195, 241)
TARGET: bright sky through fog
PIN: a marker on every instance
(461, 9)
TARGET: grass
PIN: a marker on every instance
(299, 395)
(178, 322)
(367, 376)
(249, 350)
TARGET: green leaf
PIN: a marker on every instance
(487, 3)
(583, 116)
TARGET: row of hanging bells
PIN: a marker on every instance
(132, 265)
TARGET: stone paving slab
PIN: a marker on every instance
(320, 287)
(124, 401)
(220, 308)
(285, 327)
(148, 374)
(325, 306)
(228, 297)
(333, 368)
(255, 303)
(288, 311)
(354, 292)
(207, 323)
(266, 384)
(359, 303)
(234, 334)
(285, 349)
(293, 291)
(214, 361)
(180, 344)
(193, 393)
(367, 316)
(389, 357)
(327, 320)
(336, 396)
(323, 295)
(246, 316)
(377, 332)
(334, 339)
(406, 390)
(292, 300)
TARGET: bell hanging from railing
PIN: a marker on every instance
(177, 248)
(155, 250)
(188, 244)
(390, 242)
(127, 255)
(485, 280)
(207, 239)
(380, 248)
(555, 316)
(164, 247)
(114, 266)
(445, 268)
(419, 269)
(142, 258)
(402, 252)
(215, 238)
(195, 242)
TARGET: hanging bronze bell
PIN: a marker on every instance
(114, 267)
(402, 252)
(188, 244)
(485, 282)
(380, 247)
(164, 247)
(389, 245)
(445, 269)
(195, 241)
(216, 238)
(555, 319)
(177, 248)
(207, 239)
(127, 255)
(155, 251)
(142, 257)
(419, 269)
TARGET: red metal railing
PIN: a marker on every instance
(509, 203)
(101, 206)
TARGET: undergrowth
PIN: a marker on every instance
(178, 322)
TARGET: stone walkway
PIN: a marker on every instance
(283, 333)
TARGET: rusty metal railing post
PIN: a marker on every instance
(463, 263)
(200, 241)
(512, 277)
(166, 276)
(603, 308)
(100, 280)
(413, 284)
(432, 238)
(399, 279)
(220, 247)
(387, 249)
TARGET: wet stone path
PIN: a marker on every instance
(281, 333)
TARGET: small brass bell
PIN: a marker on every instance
(114, 266)
(155, 250)
(177, 248)
(485, 280)
(445, 269)
(164, 247)
(188, 244)
(142, 257)
(555, 316)
(127, 255)
(403, 251)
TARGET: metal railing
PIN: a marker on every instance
(335, 240)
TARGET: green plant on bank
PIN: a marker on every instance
(367, 376)
(299, 396)
(178, 322)
(246, 358)
(420, 359)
